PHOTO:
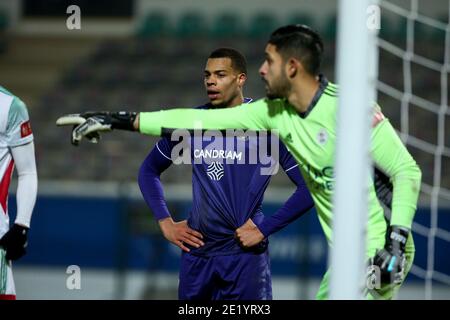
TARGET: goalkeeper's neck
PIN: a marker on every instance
(302, 91)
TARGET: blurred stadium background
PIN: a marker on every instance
(148, 55)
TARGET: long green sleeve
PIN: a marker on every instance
(392, 157)
(252, 116)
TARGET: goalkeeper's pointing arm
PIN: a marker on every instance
(254, 116)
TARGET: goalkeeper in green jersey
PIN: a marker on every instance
(301, 105)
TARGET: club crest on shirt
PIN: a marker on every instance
(215, 171)
(25, 129)
(322, 136)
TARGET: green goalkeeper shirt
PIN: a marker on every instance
(311, 138)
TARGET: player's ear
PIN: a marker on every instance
(242, 77)
(293, 66)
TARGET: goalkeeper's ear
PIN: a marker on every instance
(70, 120)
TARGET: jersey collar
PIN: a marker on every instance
(323, 83)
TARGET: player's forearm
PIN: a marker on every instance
(136, 123)
(406, 192)
(26, 198)
(27, 182)
(151, 187)
(242, 117)
(392, 157)
(297, 205)
(154, 123)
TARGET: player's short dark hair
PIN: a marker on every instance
(301, 42)
(238, 61)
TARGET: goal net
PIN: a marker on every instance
(413, 89)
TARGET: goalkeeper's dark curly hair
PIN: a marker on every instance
(301, 42)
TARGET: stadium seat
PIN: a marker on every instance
(301, 18)
(261, 25)
(329, 29)
(226, 25)
(155, 24)
(191, 24)
(3, 20)
(3, 26)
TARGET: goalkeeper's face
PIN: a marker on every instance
(273, 73)
(223, 83)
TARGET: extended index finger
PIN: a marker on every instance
(70, 119)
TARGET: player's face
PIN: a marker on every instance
(273, 73)
(223, 84)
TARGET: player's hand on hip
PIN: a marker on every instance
(179, 233)
(389, 263)
(248, 234)
(15, 242)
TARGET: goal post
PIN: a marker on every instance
(356, 75)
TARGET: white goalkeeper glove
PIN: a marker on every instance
(75, 120)
(90, 124)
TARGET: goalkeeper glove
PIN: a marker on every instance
(77, 119)
(15, 242)
(391, 260)
(89, 124)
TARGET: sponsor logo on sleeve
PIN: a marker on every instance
(25, 129)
